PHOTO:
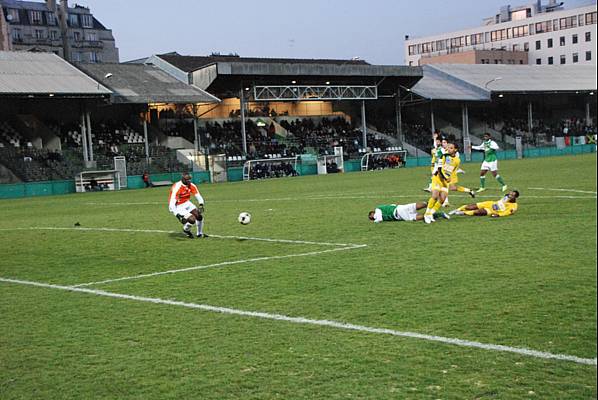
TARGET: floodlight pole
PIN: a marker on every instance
(364, 125)
(147, 153)
(243, 131)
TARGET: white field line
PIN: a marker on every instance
(317, 322)
(220, 264)
(348, 197)
(127, 230)
(563, 190)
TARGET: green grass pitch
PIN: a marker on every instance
(526, 281)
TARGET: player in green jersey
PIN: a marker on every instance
(490, 163)
(400, 212)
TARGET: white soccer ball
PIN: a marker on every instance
(244, 218)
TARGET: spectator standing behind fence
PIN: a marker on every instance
(146, 179)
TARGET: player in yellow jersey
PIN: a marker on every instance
(441, 178)
(501, 208)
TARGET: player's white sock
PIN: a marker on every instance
(199, 227)
(187, 226)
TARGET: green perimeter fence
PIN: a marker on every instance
(8, 191)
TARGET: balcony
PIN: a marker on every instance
(95, 44)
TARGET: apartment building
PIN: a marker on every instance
(550, 34)
(71, 32)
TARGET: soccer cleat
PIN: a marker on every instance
(472, 194)
(456, 212)
(428, 219)
(203, 235)
(427, 190)
(480, 190)
(444, 215)
(504, 188)
(188, 233)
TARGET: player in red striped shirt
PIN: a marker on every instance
(179, 203)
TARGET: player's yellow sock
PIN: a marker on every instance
(431, 203)
(462, 208)
(436, 207)
(469, 212)
(463, 189)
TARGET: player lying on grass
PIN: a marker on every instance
(179, 203)
(400, 212)
(501, 208)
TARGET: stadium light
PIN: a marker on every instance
(293, 82)
(498, 78)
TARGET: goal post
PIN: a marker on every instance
(120, 165)
(331, 163)
(383, 159)
(270, 168)
(96, 181)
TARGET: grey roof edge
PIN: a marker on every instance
(216, 99)
(486, 94)
(169, 68)
(322, 69)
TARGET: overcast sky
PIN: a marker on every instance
(370, 29)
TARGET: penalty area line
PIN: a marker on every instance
(220, 264)
(317, 322)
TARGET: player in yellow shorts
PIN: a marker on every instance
(440, 181)
(501, 208)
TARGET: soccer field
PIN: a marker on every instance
(310, 300)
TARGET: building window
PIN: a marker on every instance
(563, 59)
(580, 20)
(575, 57)
(93, 57)
(412, 50)
(39, 34)
(538, 44)
(526, 46)
(591, 18)
(91, 36)
(520, 31)
(16, 35)
(86, 21)
(520, 61)
(550, 60)
(588, 56)
(76, 56)
(54, 35)
(73, 20)
(574, 39)
(555, 24)
(35, 17)
(588, 36)
(538, 61)
(77, 36)
(569, 22)
(12, 15)
(51, 18)
(549, 43)
(562, 40)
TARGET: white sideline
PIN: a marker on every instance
(327, 323)
(563, 190)
(220, 264)
(128, 230)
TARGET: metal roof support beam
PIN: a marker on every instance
(466, 139)
(364, 127)
(309, 92)
(243, 129)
